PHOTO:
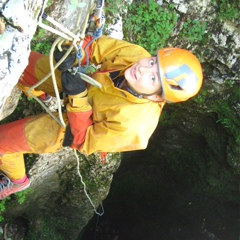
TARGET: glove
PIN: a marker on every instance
(94, 24)
(68, 62)
(72, 84)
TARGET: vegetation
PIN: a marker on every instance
(228, 9)
(3, 208)
(149, 25)
(20, 197)
(51, 228)
(210, 163)
(40, 43)
(193, 30)
(74, 4)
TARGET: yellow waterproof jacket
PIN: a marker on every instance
(122, 122)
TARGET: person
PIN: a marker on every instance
(120, 116)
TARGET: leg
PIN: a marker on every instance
(36, 70)
(13, 165)
(38, 134)
(16, 179)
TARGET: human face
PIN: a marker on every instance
(143, 76)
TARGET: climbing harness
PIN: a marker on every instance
(77, 39)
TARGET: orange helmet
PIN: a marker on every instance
(180, 74)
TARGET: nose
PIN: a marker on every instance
(144, 69)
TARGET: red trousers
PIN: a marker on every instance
(38, 134)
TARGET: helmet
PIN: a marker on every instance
(180, 74)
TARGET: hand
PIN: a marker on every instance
(72, 84)
(68, 62)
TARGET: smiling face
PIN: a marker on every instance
(143, 76)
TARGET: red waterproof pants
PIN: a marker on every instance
(38, 134)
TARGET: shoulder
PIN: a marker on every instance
(121, 44)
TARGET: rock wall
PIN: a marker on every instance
(220, 47)
(57, 202)
(20, 18)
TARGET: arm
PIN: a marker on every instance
(103, 51)
(79, 111)
(113, 53)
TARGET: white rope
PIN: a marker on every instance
(61, 27)
(73, 37)
(50, 29)
(60, 120)
(88, 79)
(85, 188)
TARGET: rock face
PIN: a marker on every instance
(221, 42)
(10, 103)
(20, 27)
(58, 201)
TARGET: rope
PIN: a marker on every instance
(60, 120)
(67, 35)
(85, 188)
(63, 36)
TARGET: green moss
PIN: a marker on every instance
(193, 30)
(227, 9)
(50, 228)
(149, 25)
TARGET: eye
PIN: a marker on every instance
(151, 62)
(153, 78)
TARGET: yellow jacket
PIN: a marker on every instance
(122, 122)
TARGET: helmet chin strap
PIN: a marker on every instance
(136, 94)
(133, 92)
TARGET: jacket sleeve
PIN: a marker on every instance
(79, 113)
(102, 138)
(105, 49)
(113, 53)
